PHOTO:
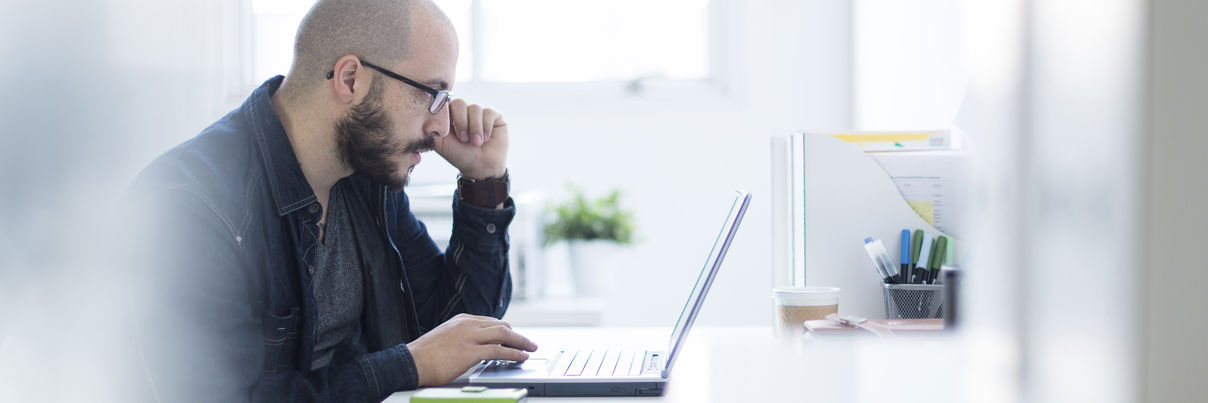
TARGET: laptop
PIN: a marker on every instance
(613, 371)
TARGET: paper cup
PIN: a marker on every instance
(795, 305)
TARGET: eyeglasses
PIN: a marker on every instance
(439, 97)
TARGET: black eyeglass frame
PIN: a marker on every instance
(439, 97)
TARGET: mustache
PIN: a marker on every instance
(427, 143)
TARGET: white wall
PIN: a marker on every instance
(677, 160)
(908, 66)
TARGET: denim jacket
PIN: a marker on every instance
(230, 224)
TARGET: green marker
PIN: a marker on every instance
(937, 259)
(950, 256)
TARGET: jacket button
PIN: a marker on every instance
(314, 208)
(310, 270)
(490, 228)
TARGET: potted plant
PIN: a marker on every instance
(593, 231)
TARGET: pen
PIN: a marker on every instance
(881, 260)
(949, 258)
(920, 267)
(937, 257)
(916, 244)
(904, 273)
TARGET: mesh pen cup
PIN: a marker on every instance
(914, 301)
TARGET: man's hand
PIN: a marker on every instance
(450, 349)
(478, 141)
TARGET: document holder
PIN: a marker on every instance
(837, 195)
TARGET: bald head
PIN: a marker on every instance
(380, 31)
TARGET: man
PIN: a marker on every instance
(286, 263)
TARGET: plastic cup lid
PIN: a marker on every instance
(806, 295)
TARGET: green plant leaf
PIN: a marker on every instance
(582, 219)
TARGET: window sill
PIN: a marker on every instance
(581, 95)
(556, 312)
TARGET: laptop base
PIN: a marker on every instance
(583, 389)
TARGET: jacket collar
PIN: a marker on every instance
(289, 186)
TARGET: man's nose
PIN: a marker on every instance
(438, 125)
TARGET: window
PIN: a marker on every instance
(537, 41)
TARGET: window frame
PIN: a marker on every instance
(239, 67)
(716, 87)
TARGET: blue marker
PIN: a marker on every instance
(904, 273)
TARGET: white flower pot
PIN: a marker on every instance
(590, 265)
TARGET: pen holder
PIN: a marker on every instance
(914, 301)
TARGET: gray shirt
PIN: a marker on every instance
(337, 283)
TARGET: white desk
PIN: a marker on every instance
(746, 364)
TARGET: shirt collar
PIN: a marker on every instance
(289, 186)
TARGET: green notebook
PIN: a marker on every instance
(475, 394)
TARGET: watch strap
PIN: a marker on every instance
(485, 193)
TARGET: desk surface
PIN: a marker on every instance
(732, 364)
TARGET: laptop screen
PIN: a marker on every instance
(707, 274)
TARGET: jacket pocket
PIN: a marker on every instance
(280, 340)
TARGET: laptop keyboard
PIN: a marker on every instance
(600, 362)
(589, 363)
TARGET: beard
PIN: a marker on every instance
(363, 141)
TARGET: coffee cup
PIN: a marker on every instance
(795, 305)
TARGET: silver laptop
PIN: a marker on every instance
(614, 371)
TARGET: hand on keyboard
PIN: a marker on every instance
(447, 351)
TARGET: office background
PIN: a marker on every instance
(1094, 201)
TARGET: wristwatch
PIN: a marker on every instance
(485, 193)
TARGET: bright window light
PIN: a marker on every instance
(559, 40)
(536, 40)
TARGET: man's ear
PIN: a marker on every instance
(344, 79)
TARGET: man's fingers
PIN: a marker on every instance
(498, 352)
(474, 114)
(452, 127)
(504, 335)
(458, 117)
(472, 316)
(489, 116)
(472, 123)
(493, 334)
(482, 321)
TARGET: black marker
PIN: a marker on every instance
(920, 267)
(904, 273)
